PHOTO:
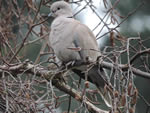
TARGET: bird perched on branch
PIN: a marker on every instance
(73, 41)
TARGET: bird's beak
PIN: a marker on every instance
(50, 14)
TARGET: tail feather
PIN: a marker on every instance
(97, 76)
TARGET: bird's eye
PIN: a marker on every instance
(58, 8)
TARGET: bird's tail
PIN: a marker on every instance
(97, 76)
(105, 96)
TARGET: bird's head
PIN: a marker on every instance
(60, 8)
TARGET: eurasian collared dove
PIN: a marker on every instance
(67, 35)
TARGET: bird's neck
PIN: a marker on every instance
(66, 15)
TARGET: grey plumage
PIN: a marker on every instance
(68, 33)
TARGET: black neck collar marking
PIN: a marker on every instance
(70, 17)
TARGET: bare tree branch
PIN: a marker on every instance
(50, 75)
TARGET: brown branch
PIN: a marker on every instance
(49, 75)
(75, 94)
(9, 46)
(37, 11)
(146, 51)
(25, 38)
(22, 44)
(124, 67)
(55, 76)
(129, 15)
(35, 68)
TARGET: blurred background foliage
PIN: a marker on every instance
(16, 27)
(137, 25)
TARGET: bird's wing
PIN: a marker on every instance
(84, 38)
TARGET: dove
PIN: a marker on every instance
(74, 41)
